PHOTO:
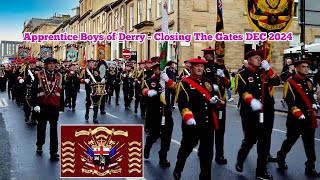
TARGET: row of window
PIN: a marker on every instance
(100, 23)
(7, 49)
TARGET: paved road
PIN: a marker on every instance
(26, 165)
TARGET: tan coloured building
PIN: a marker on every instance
(145, 17)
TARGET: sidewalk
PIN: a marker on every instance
(277, 97)
(5, 154)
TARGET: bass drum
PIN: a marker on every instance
(102, 67)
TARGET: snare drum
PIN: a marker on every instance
(98, 89)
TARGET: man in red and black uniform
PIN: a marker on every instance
(89, 79)
(46, 101)
(220, 76)
(159, 120)
(196, 101)
(301, 119)
(255, 87)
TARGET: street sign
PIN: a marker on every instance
(126, 54)
(312, 13)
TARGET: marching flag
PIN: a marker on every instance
(219, 45)
(84, 62)
(164, 48)
(165, 30)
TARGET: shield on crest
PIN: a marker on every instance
(270, 15)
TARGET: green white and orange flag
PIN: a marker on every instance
(164, 48)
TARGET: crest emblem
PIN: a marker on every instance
(264, 77)
(270, 15)
(250, 79)
(208, 86)
(208, 70)
(101, 151)
(153, 84)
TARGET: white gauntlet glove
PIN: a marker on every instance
(87, 81)
(214, 100)
(152, 93)
(256, 105)
(21, 81)
(220, 73)
(302, 117)
(215, 87)
(103, 81)
(124, 75)
(37, 109)
(164, 77)
(191, 121)
(265, 65)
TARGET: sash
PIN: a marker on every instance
(206, 95)
(45, 85)
(306, 100)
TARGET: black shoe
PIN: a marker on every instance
(103, 112)
(264, 176)
(221, 160)
(73, 109)
(86, 117)
(95, 121)
(311, 172)
(26, 120)
(281, 162)
(54, 157)
(109, 102)
(239, 167)
(126, 108)
(34, 122)
(117, 104)
(135, 111)
(176, 175)
(146, 153)
(164, 163)
(271, 159)
(39, 150)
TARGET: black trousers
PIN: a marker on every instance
(10, 88)
(27, 107)
(51, 114)
(71, 97)
(259, 133)
(128, 96)
(157, 130)
(219, 136)
(96, 101)
(191, 135)
(293, 134)
(116, 88)
(137, 95)
(103, 103)
(170, 96)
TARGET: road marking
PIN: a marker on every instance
(286, 132)
(112, 115)
(277, 112)
(177, 142)
(3, 102)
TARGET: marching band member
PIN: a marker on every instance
(113, 81)
(46, 101)
(90, 78)
(301, 120)
(261, 122)
(147, 74)
(71, 86)
(219, 75)
(127, 80)
(138, 80)
(159, 120)
(196, 99)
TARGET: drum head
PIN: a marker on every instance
(102, 67)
